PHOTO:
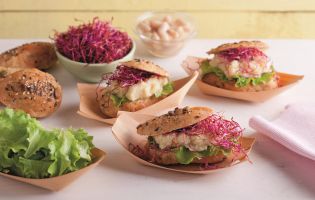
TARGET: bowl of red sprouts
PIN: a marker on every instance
(92, 49)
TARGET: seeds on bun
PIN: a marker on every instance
(146, 65)
(32, 91)
(173, 120)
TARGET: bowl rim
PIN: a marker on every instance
(132, 51)
(149, 14)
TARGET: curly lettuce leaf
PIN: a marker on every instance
(29, 150)
(240, 81)
(206, 68)
(167, 89)
(243, 81)
(118, 101)
(68, 153)
(185, 156)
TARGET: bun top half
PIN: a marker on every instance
(176, 119)
(146, 65)
(247, 44)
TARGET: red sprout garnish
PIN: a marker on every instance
(241, 53)
(225, 133)
(95, 42)
(126, 76)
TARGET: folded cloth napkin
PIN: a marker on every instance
(294, 128)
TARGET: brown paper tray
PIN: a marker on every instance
(59, 182)
(125, 133)
(286, 81)
(89, 107)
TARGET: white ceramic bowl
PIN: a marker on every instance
(92, 72)
(162, 48)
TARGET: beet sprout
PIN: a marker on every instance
(241, 53)
(225, 133)
(126, 76)
(94, 42)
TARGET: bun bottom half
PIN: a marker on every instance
(214, 80)
(163, 157)
(108, 107)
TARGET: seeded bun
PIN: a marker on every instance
(5, 71)
(257, 44)
(214, 80)
(147, 66)
(40, 55)
(163, 157)
(179, 118)
(109, 109)
(31, 90)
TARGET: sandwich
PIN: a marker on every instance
(134, 85)
(241, 66)
(191, 135)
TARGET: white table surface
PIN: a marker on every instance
(276, 172)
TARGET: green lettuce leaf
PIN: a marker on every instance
(167, 89)
(118, 101)
(243, 81)
(185, 156)
(34, 168)
(239, 80)
(29, 150)
(206, 68)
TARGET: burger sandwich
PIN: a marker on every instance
(241, 66)
(134, 85)
(191, 135)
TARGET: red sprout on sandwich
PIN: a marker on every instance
(126, 76)
(225, 133)
(242, 54)
(94, 42)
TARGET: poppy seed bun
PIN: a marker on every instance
(256, 44)
(32, 91)
(147, 66)
(179, 118)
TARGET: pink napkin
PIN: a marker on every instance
(294, 128)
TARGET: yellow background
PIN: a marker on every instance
(214, 18)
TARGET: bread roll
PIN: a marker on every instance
(179, 118)
(31, 90)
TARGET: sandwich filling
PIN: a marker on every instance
(209, 137)
(128, 84)
(244, 65)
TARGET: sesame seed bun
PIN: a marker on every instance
(31, 90)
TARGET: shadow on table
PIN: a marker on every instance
(122, 162)
(12, 188)
(298, 168)
(68, 117)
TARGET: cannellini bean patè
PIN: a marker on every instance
(166, 28)
(164, 35)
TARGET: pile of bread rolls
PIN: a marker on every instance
(22, 83)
